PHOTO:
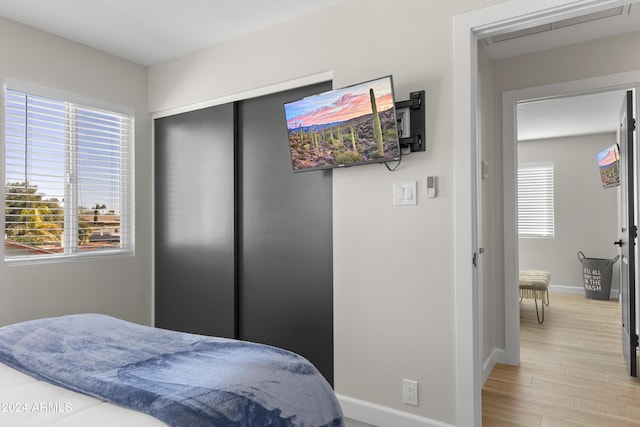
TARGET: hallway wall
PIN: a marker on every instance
(586, 215)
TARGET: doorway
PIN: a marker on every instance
(558, 140)
(587, 87)
(468, 29)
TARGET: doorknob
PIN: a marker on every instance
(618, 242)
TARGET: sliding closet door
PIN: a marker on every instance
(285, 237)
(194, 223)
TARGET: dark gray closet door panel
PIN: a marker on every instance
(286, 263)
(194, 205)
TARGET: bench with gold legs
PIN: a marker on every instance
(535, 284)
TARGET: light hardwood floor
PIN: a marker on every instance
(571, 373)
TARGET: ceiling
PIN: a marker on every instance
(149, 32)
(592, 26)
(152, 31)
(565, 116)
(568, 116)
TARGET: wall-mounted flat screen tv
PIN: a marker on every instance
(354, 125)
(609, 165)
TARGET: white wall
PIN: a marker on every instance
(393, 266)
(580, 61)
(116, 286)
(586, 215)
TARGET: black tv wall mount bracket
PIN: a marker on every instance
(411, 119)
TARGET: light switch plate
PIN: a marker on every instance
(405, 193)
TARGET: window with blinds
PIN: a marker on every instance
(68, 178)
(535, 201)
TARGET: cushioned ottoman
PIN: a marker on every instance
(535, 284)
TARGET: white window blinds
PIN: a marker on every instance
(536, 201)
(68, 178)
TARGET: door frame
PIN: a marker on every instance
(468, 29)
(510, 99)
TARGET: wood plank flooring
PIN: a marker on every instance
(571, 373)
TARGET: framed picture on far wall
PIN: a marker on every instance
(609, 165)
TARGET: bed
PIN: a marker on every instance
(92, 369)
(534, 284)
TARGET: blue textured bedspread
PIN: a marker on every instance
(181, 379)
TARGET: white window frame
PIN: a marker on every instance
(536, 204)
(126, 182)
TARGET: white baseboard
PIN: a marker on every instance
(563, 289)
(382, 416)
(496, 356)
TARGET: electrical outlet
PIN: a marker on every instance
(410, 392)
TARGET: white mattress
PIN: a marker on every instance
(25, 401)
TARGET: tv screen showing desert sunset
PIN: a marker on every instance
(353, 125)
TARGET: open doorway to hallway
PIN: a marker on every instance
(564, 207)
(571, 368)
(578, 181)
